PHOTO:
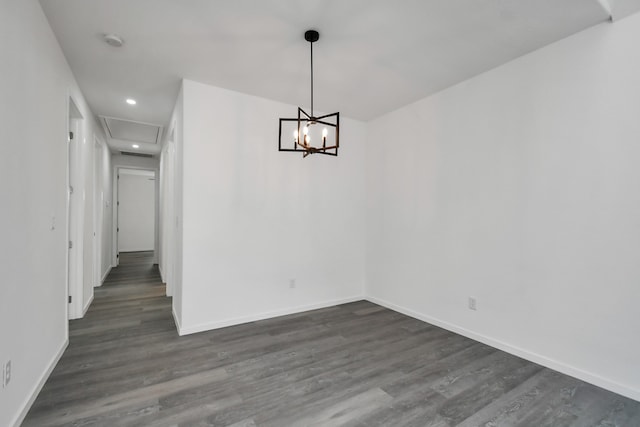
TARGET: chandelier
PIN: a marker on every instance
(308, 134)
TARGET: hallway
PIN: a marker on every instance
(356, 364)
(129, 320)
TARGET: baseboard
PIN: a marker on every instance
(176, 320)
(104, 276)
(262, 316)
(531, 356)
(161, 273)
(86, 306)
(17, 421)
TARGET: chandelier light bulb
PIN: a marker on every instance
(325, 132)
(305, 130)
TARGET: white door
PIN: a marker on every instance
(136, 210)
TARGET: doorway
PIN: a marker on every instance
(98, 210)
(168, 218)
(136, 210)
(75, 213)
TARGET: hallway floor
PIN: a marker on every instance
(356, 364)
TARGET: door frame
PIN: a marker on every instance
(168, 212)
(115, 259)
(75, 213)
(98, 209)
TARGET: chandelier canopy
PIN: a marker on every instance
(307, 133)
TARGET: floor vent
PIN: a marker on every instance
(129, 153)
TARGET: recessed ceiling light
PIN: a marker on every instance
(131, 101)
(113, 40)
(135, 146)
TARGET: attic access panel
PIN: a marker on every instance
(127, 130)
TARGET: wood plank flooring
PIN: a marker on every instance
(351, 365)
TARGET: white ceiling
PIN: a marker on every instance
(373, 56)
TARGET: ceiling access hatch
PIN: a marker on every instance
(131, 153)
(128, 130)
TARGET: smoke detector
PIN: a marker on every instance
(113, 40)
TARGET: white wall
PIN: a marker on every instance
(135, 162)
(255, 218)
(136, 210)
(170, 192)
(519, 187)
(35, 86)
(171, 208)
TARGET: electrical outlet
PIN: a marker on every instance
(472, 303)
(292, 283)
(7, 373)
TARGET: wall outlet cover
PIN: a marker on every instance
(6, 374)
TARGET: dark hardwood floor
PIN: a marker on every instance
(351, 365)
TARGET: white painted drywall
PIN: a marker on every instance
(519, 187)
(135, 162)
(136, 210)
(255, 218)
(36, 84)
(171, 209)
(168, 204)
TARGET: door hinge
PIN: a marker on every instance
(70, 189)
(70, 244)
(70, 299)
(70, 136)
(118, 230)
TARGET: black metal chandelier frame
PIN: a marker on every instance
(300, 143)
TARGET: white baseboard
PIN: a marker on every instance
(517, 351)
(176, 321)
(192, 329)
(38, 387)
(86, 306)
(161, 273)
(104, 276)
